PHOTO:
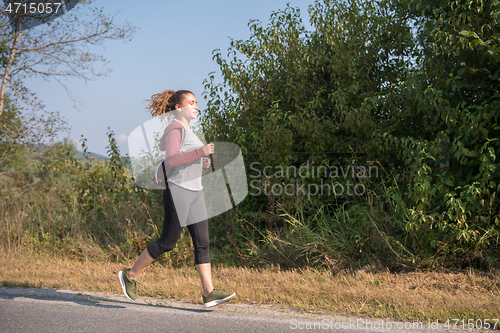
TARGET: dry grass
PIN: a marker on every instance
(405, 296)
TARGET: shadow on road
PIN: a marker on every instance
(47, 294)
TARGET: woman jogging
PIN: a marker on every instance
(183, 199)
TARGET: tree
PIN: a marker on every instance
(293, 90)
(448, 138)
(10, 134)
(55, 49)
(415, 84)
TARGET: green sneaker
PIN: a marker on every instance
(216, 297)
(129, 286)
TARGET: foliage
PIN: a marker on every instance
(12, 153)
(21, 133)
(293, 90)
(57, 49)
(408, 86)
(412, 84)
(82, 208)
(451, 150)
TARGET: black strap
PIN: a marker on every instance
(163, 162)
(164, 173)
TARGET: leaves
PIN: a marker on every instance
(58, 49)
(413, 83)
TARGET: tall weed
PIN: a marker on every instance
(82, 208)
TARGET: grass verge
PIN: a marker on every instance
(404, 296)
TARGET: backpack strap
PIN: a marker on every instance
(162, 163)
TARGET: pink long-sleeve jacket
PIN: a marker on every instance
(175, 141)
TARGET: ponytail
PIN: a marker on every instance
(163, 102)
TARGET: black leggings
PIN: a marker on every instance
(172, 232)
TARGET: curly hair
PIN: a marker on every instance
(161, 103)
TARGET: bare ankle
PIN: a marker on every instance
(131, 276)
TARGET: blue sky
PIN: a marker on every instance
(172, 49)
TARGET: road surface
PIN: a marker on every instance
(49, 310)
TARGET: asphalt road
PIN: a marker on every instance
(47, 310)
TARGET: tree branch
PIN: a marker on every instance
(12, 55)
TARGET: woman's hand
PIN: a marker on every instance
(206, 162)
(208, 149)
